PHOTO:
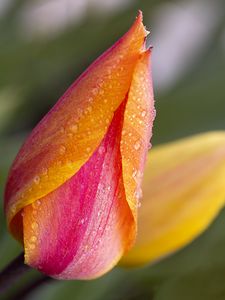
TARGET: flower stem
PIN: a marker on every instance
(12, 272)
(30, 288)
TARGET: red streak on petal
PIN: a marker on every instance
(85, 225)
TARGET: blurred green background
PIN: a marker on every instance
(46, 44)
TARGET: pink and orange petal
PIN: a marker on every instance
(73, 190)
(69, 134)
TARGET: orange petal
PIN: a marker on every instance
(64, 234)
(80, 230)
(137, 130)
(69, 134)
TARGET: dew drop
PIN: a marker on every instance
(105, 100)
(44, 171)
(38, 202)
(88, 149)
(74, 128)
(32, 246)
(153, 113)
(143, 114)
(101, 149)
(134, 173)
(33, 239)
(139, 174)
(62, 149)
(82, 221)
(34, 225)
(70, 135)
(59, 163)
(138, 193)
(36, 179)
(94, 91)
(137, 145)
(138, 204)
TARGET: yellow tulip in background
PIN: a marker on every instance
(183, 191)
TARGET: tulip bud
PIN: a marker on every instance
(183, 192)
(72, 192)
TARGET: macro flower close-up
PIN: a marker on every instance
(115, 190)
(73, 190)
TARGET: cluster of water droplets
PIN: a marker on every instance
(137, 176)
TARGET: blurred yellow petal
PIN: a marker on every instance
(184, 190)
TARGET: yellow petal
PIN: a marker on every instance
(184, 190)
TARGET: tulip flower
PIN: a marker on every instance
(73, 190)
(183, 192)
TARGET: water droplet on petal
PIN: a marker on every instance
(143, 114)
(34, 225)
(74, 128)
(101, 150)
(88, 149)
(82, 221)
(138, 204)
(33, 238)
(134, 173)
(138, 193)
(36, 179)
(44, 171)
(32, 246)
(137, 145)
(62, 149)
